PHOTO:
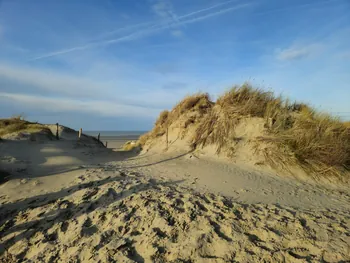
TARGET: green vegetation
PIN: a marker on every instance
(17, 124)
(131, 146)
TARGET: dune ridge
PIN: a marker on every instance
(254, 126)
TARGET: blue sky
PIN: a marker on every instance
(114, 65)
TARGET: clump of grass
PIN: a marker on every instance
(18, 124)
(216, 127)
(131, 146)
(198, 103)
(245, 100)
(158, 130)
(317, 139)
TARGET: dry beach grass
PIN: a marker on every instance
(298, 134)
(17, 124)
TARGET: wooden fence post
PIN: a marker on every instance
(167, 138)
(106, 144)
(80, 132)
(57, 137)
(98, 137)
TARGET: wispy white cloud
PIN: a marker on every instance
(344, 55)
(50, 81)
(177, 33)
(95, 107)
(217, 13)
(207, 9)
(164, 9)
(189, 18)
(127, 28)
(297, 52)
(19, 79)
(293, 53)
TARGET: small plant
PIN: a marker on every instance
(19, 117)
(199, 104)
(132, 146)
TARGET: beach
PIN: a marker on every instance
(73, 200)
(116, 139)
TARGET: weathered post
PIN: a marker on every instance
(98, 137)
(167, 137)
(269, 122)
(80, 132)
(106, 144)
(57, 137)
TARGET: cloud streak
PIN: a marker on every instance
(297, 52)
(19, 79)
(180, 20)
(95, 107)
(293, 53)
(177, 33)
(50, 81)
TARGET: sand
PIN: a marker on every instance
(70, 201)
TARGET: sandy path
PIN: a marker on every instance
(244, 184)
(87, 204)
(120, 216)
(38, 168)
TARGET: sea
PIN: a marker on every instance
(116, 139)
(116, 135)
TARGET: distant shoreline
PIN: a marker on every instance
(115, 133)
(116, 139)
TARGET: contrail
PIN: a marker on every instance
(125, 28)
(152, 29)
(207, 9)
(199, 18)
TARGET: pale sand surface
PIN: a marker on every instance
(80, 202)
(116, 142)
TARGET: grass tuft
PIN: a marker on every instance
(199, 104)
(131, 146)
(18, 124)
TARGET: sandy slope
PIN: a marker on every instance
(69, 202)
(243, 183)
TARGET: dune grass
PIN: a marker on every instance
(301, 134)
(15, 125)
(132, 146)
(199, 104)
(314, 138)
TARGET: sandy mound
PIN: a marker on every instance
(128, 218)
(19, 129)
(65, 133)
(253, 127)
